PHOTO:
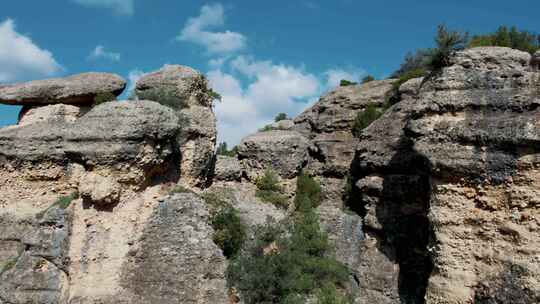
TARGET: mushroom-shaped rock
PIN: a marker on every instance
(282, 151)
(99, 189)
(80, 89)
(175, 86)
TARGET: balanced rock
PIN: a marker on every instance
(176, 86)
(282, 151)
(186, 91)
(80, 89)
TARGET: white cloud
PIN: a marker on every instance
(21, 58)
(101, 52)
(197, 30)
(123, 7)
(272, 88)
(334, 76)
(133, 77)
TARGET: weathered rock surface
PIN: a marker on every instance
(141, 133)
(176, 260)
(446, 179)
(35, 260)
(186, 90)
(282, 151)
(328, 125)
(285, 124)
(99, 189)
(80, 89)
(50, 113)
(227, 169)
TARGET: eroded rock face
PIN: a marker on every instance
(176, 260)
(80, 89)
(279, 150)
(141, 133)
(328, 125)
(186, 90)
(227, 169)
(446, 179)
(99, 189)
(50, 113)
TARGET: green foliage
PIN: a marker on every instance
(367, 79)
(165, 96)
(266, 128)
(215, 95)
(62, 202)
(308, 193)
(447, 42)
(329, 294)
(230, 233)
(222, 150)
(364, 119)
(344, 83)
(280, 116)
(275, 198)
(512, 38)
(180, 189)
(103, 97)
(286, 263)
(413, 62)
(268, 181)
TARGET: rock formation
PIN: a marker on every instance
(437, 201)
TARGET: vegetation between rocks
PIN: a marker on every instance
(367, 79)
(288, 262)
(508, 37)
(222, 149)
(280, 117)
(365, 118)
(268, 189)
(62, 202)
(344, 83)
(103, 97)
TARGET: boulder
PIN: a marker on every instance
(227, 169)
(176, 86)
(284, 152)
(50, 113)
(80, 89)
(285, 124)
(99, 189)
(186, 91)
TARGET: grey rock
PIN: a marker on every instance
(227, 169)
(278, 150)
(285, 124)
(140, 133)
(80, 89)
(176, 86)
(35, 271)
(177, 261)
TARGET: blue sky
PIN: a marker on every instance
(264, 57)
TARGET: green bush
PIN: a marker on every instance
(268, 181)
(447, 42)
(62, 202)
(215, 95)
(230, 233)
(222, 150)
(512, 38)
(364, 119)
(329, 294)
(104, 97)
(287, 263)
(413, 62)
(344, 83)
(367, 79)
(275, 198)
(308, 193)
(280, 116)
